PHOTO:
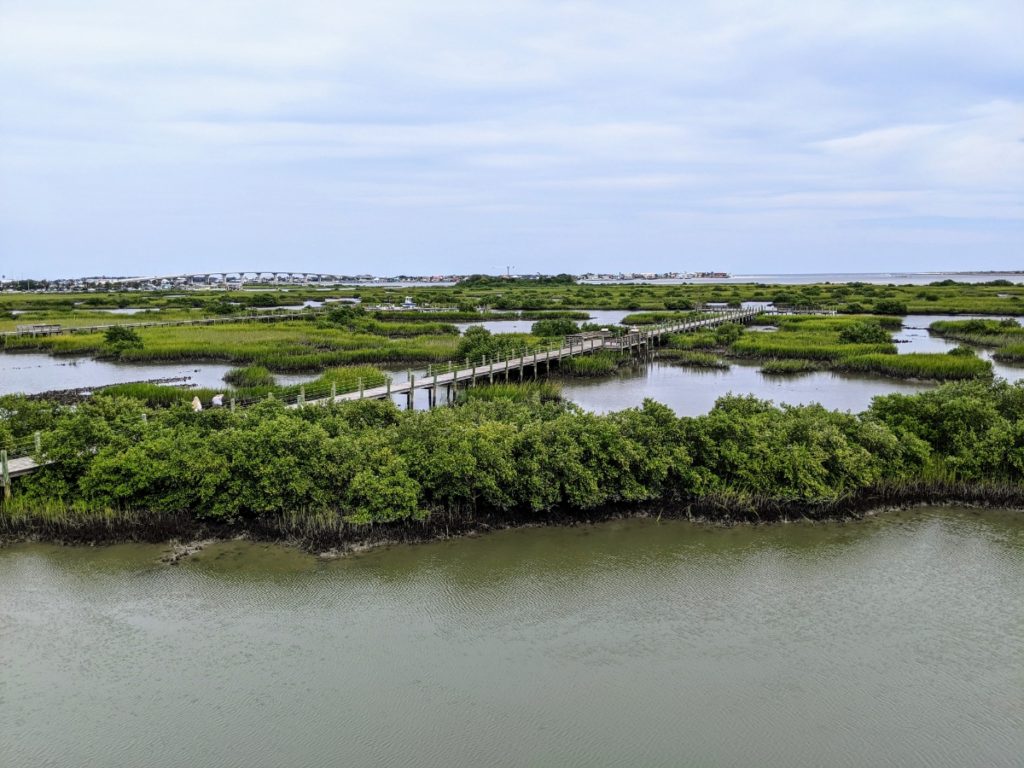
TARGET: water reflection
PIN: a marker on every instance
(914, 337)
(33, 372)
(693, 391)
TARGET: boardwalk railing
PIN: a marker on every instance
(25, 455)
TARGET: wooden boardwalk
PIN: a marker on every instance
(516, 367)
(21, 466)
(448, 378)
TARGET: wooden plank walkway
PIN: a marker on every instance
(21, 466)
(491, 369)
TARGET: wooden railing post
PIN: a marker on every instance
(5, 474)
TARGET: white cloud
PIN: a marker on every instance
(534, 116)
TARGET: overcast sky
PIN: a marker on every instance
(463, 136)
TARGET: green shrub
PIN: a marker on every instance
(553, 327)
(250, 376)
(890, 307)
(864, 332)
(118, 338)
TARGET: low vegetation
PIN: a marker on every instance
(789, 367)
(251, 376)
(1006, 336)
(1011, 353)
(940, 367)
(691, 358)
(594, 364)
(984, 333)
(856, 345)
(552, 328)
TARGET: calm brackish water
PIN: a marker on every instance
(894, 641)
(34, 372)
(693, 391)
(875, 278)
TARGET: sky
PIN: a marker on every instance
(460, 136)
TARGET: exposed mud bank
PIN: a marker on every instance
(330, 536)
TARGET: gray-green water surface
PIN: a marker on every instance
(894, 641)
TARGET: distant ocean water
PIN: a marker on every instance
(879, 278)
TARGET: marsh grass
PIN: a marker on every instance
(1011, 353)
(789, 367)
(806, 346)
(596, 364)
(919, 365)
(691, 358)
(940, 297)
(698, 340)
(653, 318)
(287, 346)
(810, 337)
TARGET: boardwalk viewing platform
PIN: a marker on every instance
(21, 460)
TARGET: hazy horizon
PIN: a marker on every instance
(456, 138)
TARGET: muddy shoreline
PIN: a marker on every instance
(185, 534)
